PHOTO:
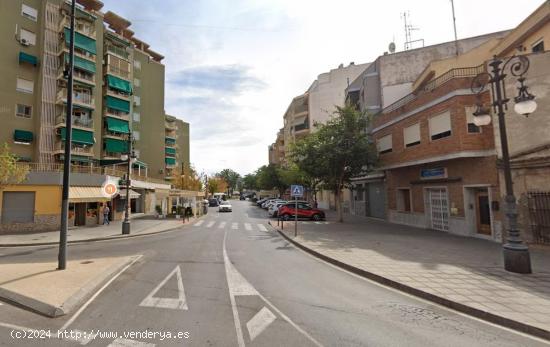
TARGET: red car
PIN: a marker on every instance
(288, 211)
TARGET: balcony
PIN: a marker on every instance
(79, 76)
(117, 94)
(83, 27)
(79, 99)
(170, 126)
(78, 122)
(300, 109)
(117, 51)
(116, 71)
(117, 114)
(76, 150)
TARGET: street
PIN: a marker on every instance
(231, 280)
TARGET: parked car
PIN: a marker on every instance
(260, 202)
(287, 211)
(225, 206)
(267, 204)
(213, 202)
(273, 209)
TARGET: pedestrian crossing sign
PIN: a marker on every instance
(296, 191)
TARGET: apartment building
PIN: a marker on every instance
(118, 91)
(277, 149)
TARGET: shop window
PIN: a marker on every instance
(404, 200)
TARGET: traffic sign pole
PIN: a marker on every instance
(296, 217)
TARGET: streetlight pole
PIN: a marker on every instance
(130, 157)
(516, 253)
(62, 255)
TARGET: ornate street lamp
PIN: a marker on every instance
(516, 253)
(130, 158)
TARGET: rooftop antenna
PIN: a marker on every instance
(408, 29)
(454, 24)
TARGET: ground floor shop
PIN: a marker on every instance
(368, 196)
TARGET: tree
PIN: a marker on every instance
(250, 181)
(268, 177)
(337, 151)
(231, 177)
(10, 171)
(189, 180)
(216, 185)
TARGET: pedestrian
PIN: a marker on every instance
(106, 212)
(188, 212)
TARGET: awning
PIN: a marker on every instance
(119, 84)
(170, 141)
(86, 194)
(139, 163)
(116, 146)
(80, 41)
(22, 136)
(118, 125)
(80, 136)
(170, 161)
(82, 63)
(117, 104)
(28, 58)
(133, 194)
(299, 120)
(78, 158)
(170, 150)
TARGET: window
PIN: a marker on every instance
(23, 111)
(27, 37)
(538, 47)
(440, 126)
(25, 86)
(29, 12)
(137, 65)
(136, 117)
(472, 128)
(136, 135)
(137, 82)
(137, 100)
(404, 200)
(385, 144)
(411, 135)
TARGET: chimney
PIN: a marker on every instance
(340, 66)
(352, 63)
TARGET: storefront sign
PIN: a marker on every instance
(109, 188)
(439, 172)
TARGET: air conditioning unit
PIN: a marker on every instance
(24, 42)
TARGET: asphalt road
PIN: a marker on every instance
(230, 280)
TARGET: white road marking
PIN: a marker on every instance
(199, 223)
(238, 285)
(175, 304)
(222, 225)
(120, 342)
(209, 225)
(262, 227)
(259, 322)
(83, 307)
(234, 226)
(247, 226)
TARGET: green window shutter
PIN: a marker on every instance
(170, 161)
(22, 136)
(117, 104)
(79, 136)
(119, 84)
(170, 141)
(82, 63)
(118, 125)
(28, 58)
(170, 150)
(80, 41)
(116, 146)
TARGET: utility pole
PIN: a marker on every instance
(62, 255)
(182, 173)
(454, 25)
(130, 157)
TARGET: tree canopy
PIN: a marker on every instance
(10, 171)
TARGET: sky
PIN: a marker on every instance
(233, 66)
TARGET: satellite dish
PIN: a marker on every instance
(391, 47)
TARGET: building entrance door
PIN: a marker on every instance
(439, 208)
(483, 213)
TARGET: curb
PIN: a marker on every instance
(13, 245)
(75, 301)
(487, 316)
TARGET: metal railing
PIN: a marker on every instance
(81, 122)
(121, 52)
(117, 71)
(170, 125)
(539, 216)
(88, 30)
(118, 94)
(88, 151)
(81, 98)
(117, 114)
(435, 83)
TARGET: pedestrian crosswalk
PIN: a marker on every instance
(233, 225)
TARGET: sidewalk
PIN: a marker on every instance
(463, 273)
(141, 226)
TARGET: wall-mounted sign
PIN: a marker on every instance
(438, 172)
(109, 188)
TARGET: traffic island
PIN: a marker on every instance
(41, 288)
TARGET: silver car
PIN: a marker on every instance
(225, 207)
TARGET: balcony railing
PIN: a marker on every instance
(118, 72)
(118, 51)
(76, 121)
(117, 94)
(435, 83)
(117, 114)
(300, 109)
(88, 30)
(60, 148)
(78, 75)
(301, 127)
(170, 125)
(78, 98)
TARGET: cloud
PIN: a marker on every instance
(233, 79)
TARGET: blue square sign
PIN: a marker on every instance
(296, 191)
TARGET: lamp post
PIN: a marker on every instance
(129, 157)
(516, 253)
(62, 254)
